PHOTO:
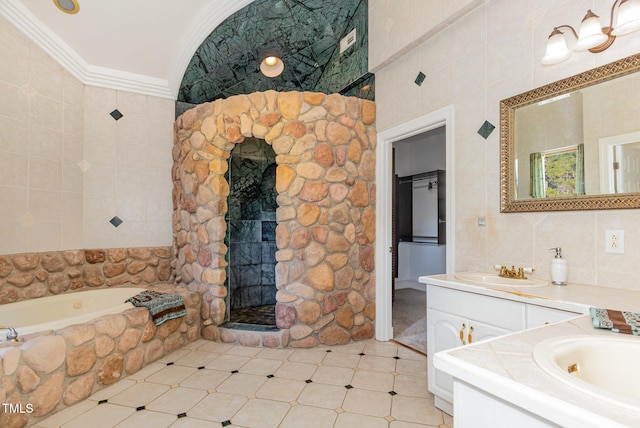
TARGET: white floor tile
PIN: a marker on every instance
(369, 403)
(286, 390)
(177, 400)
(339, 359)
(218, 407)
(352, 420)
(322, 395)
(196, 359)
(417, 410)
(227, 362)
(171, 375)
(194, 423)
(376, 363)
(140, 394)
(242, 384)
(333, 375)
(297, 371)
(260, 366)
(259, 413)
(310, 388)
(101, 416)
(146, 418)
(373, 381)
(205, 379)
(309, 417)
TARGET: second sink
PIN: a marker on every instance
(602, 366)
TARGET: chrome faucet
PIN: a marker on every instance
(12, 334)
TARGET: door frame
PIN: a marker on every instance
(442, 117)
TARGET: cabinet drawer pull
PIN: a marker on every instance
(462, 334)
(469, 336)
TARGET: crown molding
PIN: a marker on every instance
(52, 44)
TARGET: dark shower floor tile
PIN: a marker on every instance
(263, 315)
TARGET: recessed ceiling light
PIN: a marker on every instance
(67, 6)
(272, 66)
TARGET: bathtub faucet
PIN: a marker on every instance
(12, 334)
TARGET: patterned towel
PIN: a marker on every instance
(162, 306)
(616, 321)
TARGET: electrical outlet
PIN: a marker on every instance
(614, 241)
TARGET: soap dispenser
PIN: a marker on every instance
(558, 268)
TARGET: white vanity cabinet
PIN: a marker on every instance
(456, 318)
(542, 315)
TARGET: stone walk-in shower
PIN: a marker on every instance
(324, 147)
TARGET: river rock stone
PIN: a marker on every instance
(95, 256)
(111, 325)
(334, 335)
(28, 380)
(53, 262)
(344, 317)
(48, 395)
(314, 191)
(338, 134)
(79, 389)
(285, 316)
(321, 277)
(26, 261)
(80, 361)
(44, 354)
(111, 370)
(289, 104)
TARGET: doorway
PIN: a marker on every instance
(442, 118)
(251, 219)
(418, 230)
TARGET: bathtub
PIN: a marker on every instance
(56, 312)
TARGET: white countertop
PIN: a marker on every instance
(504, 366)
(571, 297)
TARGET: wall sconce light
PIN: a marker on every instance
(272, 66)
(591, 35)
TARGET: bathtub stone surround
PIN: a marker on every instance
(325, 181)
(55, 369)
(30, 275)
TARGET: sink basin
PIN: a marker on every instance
(484, 278)
(602, 366)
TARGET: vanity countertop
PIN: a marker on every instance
(505, 367)
(571, 297)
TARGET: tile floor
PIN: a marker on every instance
(365, 384)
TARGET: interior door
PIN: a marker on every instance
(394, 226)
(627, 168)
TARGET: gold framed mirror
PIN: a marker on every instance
(573, 144)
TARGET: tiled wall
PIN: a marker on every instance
(41, 141)
(127, 169)
(67, 167)
(487, 55)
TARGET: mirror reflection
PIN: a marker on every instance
(585, 142)
(573, 144)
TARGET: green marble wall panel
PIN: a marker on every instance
(304, 33)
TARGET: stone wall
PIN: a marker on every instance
(55, 369)
(325, 180)
(30, 275)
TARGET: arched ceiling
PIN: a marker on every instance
(305, 33)
(145, 46)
